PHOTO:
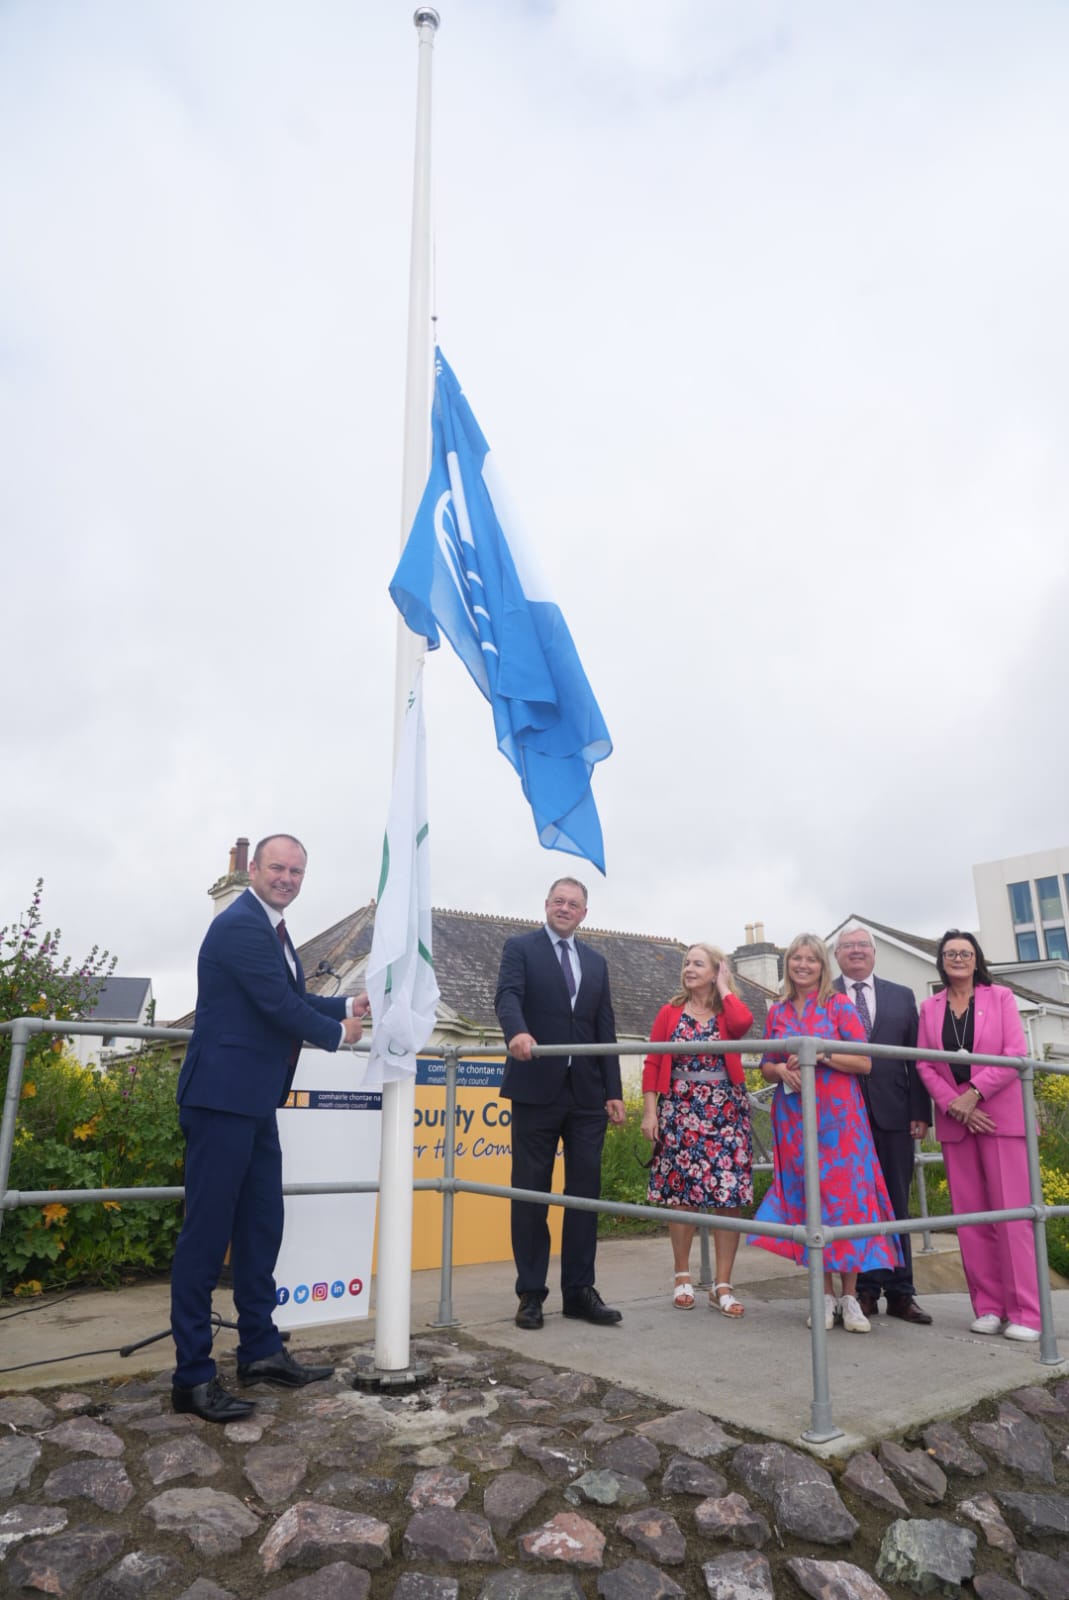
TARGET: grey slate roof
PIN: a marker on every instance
(119, 1000)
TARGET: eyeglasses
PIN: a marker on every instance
(865, 948)
(959, 955)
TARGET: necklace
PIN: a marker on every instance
(960, 1036)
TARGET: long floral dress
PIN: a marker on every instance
(703, 1159)
(852, 1187)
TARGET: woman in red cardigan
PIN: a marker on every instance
(697, 1116)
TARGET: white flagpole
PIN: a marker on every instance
(393, 1314)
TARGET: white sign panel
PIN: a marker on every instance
(330, 1130)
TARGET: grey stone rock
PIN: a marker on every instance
(18, 1457)
(560, 1462)
(308, 1534)
(70, 1403)
(24, 1411)
(438, 1534)
(1016, 1441)
(167, 1422)
(618, 1402)
(600, 1433)
(915, 1470)
(567, 1538)
(339, 1580)
(982, 1510)
(683, 1475)
(525, 1406)
(489, 1455)
(514, 1585)
(953, 1453)
(630, 1454)
(440, 1486)
(731, 1517)
(136, 1574)
(213, 1522)
(833, 1580)
(358, 1491)
(250, 1430)
(275, 1471)
(61, 1564)
(462, 1400)
(689, 1431)
(637, 1580)
(867, 1479)
(124, 1411)
(929, 1556)
(421, 1586)
(182, 1456)
(205, 1589)
(509, 1497)
(85, 1436)
(28, 1522)
(742, 1575)
(1042, 1576)
(655, 1533)
(1039, 1402)
(606, 1488)
(803, 1498)
(527, 1372)
(106, 1483)
(565, 1388)
(1041, 1515)
(992, 1586)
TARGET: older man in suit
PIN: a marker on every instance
(252, 1016)
(898, 1106)
(554, 989)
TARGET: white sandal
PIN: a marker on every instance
(683, 1295)
(726, 1303)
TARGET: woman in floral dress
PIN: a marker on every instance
(852, 1187)
(697, 1115)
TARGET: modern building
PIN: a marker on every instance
(1023, 906)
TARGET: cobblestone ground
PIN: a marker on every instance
(504, 1479)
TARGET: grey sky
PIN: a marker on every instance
(761, 307)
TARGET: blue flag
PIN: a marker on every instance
(460, 573)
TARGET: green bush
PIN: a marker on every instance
(81, 1129)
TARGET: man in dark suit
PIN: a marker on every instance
(554, 989)
(252, 1016)
(898, 1106)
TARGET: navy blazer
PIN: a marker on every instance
(532, 997)
(252, 1016)
(894, 1093)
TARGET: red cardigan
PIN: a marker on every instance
(735, 1019)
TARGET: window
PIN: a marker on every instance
(1050, 901)
(1057, 944)
(1021, 903)
(1027, 947)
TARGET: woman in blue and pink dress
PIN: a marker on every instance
(852, 1187)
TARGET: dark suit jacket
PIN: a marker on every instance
(252, 1016)
(532, 997)
(893, 1091)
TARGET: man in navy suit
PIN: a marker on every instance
(554, 989)
(898, 1106)
(252, 1016)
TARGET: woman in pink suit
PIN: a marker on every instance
(979, 1121)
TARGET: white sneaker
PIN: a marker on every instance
(988, 1323)
(831, 1311)
(1014, 1330)
(854, 1319)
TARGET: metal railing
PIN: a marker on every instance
(814, 1235)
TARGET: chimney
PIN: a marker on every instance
(749, 933)
(758, 933)
(225, 890)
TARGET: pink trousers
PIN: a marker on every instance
(987, 1172)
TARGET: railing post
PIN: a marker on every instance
(821, 1425)
(1048, 1346)
(21, 1029)
(445, 1318)
(705, 1278)
(922, 1196)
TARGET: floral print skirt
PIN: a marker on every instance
(703, 1157)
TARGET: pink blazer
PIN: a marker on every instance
(998, 1031)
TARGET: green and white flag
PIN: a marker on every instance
(400, 975)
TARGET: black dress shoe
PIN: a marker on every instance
(908, 1311)
(282, 1370)
(210, 1401)
(588, 1304)
(529, 1314)
(869, 1302)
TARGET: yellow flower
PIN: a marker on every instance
(112, 1205)
(85, 1130)
(54, 1213)
(28, 1091)
(27, 1287)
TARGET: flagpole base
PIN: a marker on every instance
(394, 1380)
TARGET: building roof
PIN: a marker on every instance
(120, 1000)
(643, 968)
(925, 947)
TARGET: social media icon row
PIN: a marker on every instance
(319, 1291)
